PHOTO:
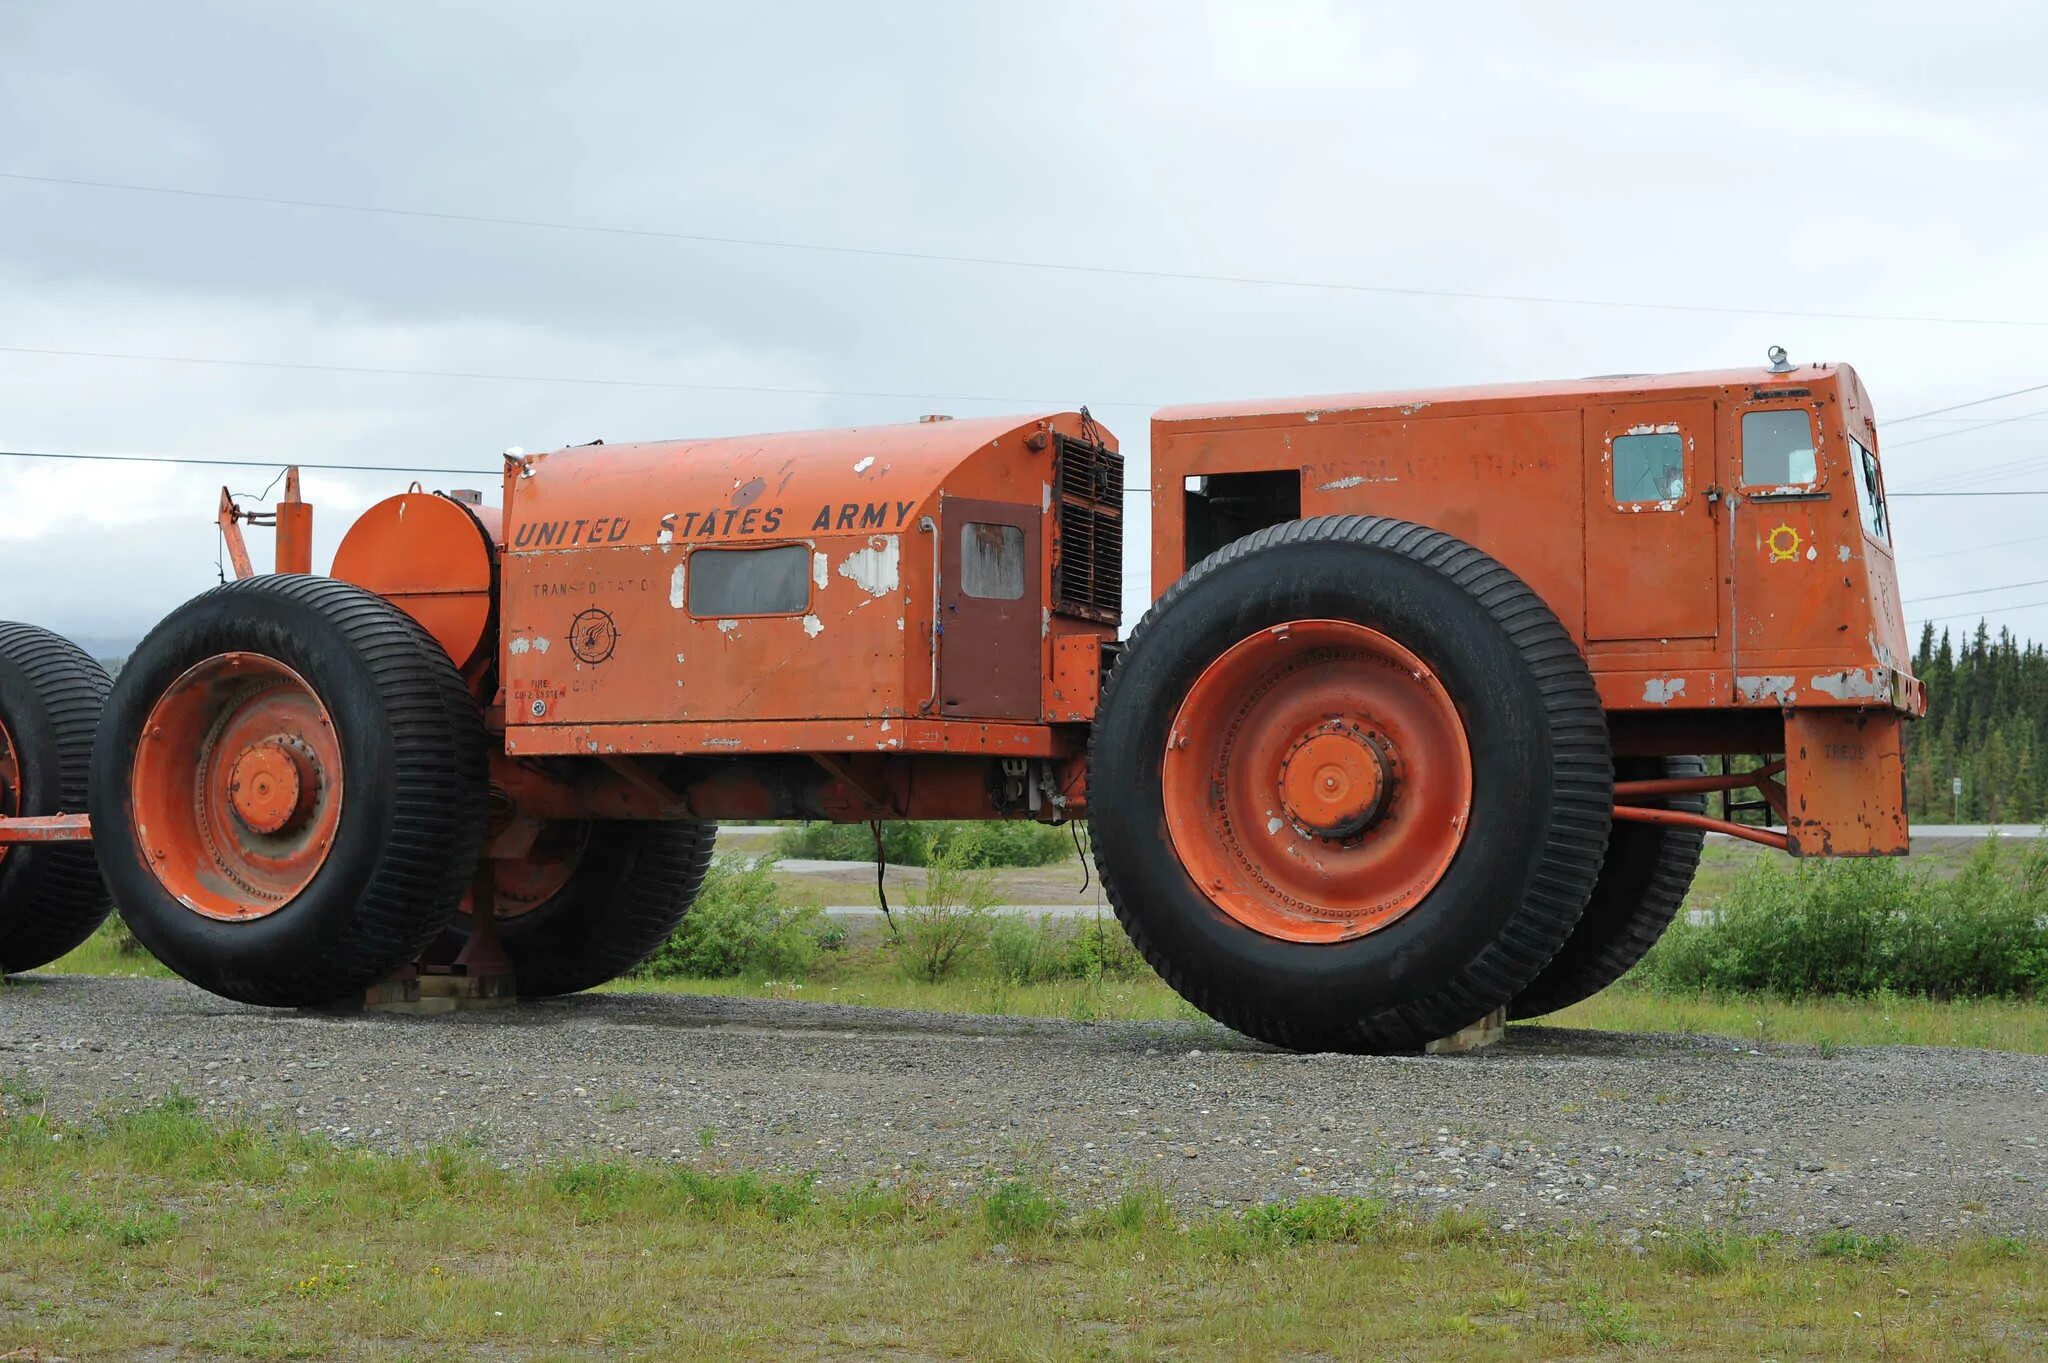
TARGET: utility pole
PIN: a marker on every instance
(1955, 808)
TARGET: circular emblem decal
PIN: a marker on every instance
(593, 636)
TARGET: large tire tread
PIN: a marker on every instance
(1643, 883)
(437, 798)
(52, 897)
(1582, 797)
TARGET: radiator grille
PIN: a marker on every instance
(1088, 570)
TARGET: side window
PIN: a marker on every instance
(1870, 494)
(773, 581)
(1777, 448)
(991, 561)
(1649, 466)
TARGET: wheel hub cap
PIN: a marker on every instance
(265, 787)
(1334, 781)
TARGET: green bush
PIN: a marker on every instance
(1862, 927)
(972, 843)
(949, 922)
(741, 925)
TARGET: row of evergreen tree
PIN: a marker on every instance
(1987, 705)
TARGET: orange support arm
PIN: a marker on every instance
(293, 519)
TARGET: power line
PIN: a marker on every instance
(1011, 262)
(671, 385)
(1973, 402)
(245, 463)
(1964, 430)
(1989, 492)
(1976, 591)
(1973, 548)
(1980, 614)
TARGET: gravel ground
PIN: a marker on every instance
(1550, 1127)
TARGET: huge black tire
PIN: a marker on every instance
(1541, 787)
(632, 885)
(413, 783)
(1643, 881)
(51, 895)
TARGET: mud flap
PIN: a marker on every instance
(1845, 783)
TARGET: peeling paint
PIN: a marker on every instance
(721, 742)
(813, 626)
(676, 585)
(1863, 683)
(1781, 689)
(864, 464)
(1275, 824)
(1311, 416)
(821, 569)
(1663, 690)
(541, 643)
(1339, 484)
(1842, 553)
(1662, 428)
(519, 645)
(728, 626)
(875, 569)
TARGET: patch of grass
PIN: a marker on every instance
(1847, 1244)
(111, 951)
(977, 844)
(286, 1246)
(1879, 1020)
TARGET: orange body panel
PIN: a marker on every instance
(610, 640)
(1721, 595)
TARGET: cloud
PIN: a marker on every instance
(1774, 158)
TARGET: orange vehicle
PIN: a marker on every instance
(1413, 731)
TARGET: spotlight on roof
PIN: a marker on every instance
(1779, 364)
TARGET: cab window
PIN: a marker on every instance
(773, 581)
(1777, 448)
(1649, 466)
(992, 561)
(1870, 494)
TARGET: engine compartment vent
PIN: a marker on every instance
(1088, 548)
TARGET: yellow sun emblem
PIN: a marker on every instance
(1784, 543)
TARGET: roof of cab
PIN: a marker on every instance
(1554, 392)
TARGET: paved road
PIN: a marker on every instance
(1549, 1127)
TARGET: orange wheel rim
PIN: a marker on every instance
(525, 883)
(237, 786)
(1317, 781)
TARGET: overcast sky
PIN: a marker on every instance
(1881, 159)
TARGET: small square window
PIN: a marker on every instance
(772, 581)
(1777, 448)
(991, 561)
(1649, 466)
